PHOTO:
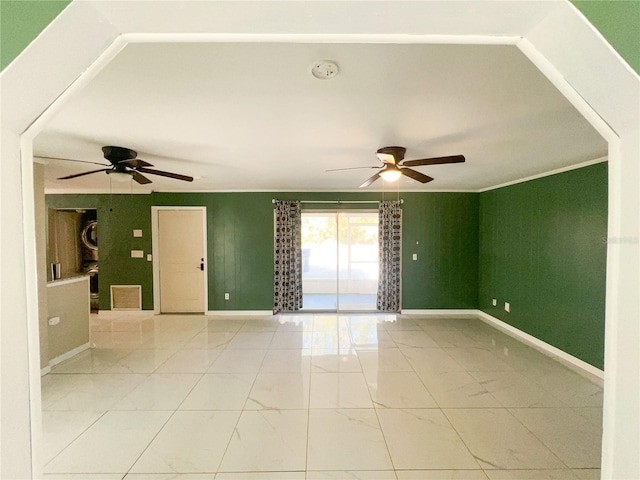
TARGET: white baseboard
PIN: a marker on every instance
(107, 314)
(69, 354)
(45, 370)
(471, 312)
(238, 313)
(580, 366)
(583, 368)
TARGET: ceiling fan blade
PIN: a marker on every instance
(71, 160)
(141, 179)
(434, 161)
(350, 168)
(85, 173)
(370, 180)
(136, 163)
(176, 176)
(420, 177)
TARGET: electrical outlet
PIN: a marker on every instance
(507, 306)
(149, 257)
(494, 302)
(415, 256)
(226, 296)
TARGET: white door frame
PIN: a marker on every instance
(156, 255)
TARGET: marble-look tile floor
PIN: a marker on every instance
(320, 396)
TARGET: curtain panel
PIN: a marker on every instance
(287, 257)
(389, 247)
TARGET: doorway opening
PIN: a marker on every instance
(339, 260)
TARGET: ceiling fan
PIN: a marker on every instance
(124, 161)
(394, 165)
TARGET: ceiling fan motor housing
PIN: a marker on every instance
(118, 154)
(396, 152)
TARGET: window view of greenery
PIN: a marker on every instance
(340, 260)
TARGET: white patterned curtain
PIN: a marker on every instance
(287, 257)
(389, 242)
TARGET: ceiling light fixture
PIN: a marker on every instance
(391, 173)
(324, 69)
(118, 176)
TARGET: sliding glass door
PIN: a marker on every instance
(339, 260)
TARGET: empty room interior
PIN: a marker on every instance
(325, 256)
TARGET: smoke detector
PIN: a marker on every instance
(324, 69)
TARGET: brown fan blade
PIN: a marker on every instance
(72, 160)
(85, 173)
(141, 179)
(136, 163)
(370, 180)
(350, 168)
(177, 176)
(434, 161)
(420, 177)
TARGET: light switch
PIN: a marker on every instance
(149, 257)
(137, 233)
(415, 256)
(137, 254)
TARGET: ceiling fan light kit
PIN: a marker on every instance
(394, 165)
(391, 173)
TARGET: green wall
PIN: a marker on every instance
(22, 20)
(543, 250)
(118, 216)
(240, 244)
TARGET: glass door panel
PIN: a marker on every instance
(339, 260)
(357, 260)
(319, 261)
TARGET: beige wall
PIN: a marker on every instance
(41, 259)
(64, 241)
(69, 300)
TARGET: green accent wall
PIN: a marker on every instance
(118, 216)
(619, 22)
(543, 250)
(21, 21)
(240, 243)
(442, 228)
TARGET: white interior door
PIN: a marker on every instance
(181, 252)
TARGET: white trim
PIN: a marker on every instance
(580, 366)
(546, 174)
(71, 353)
(67, 281)
(110, 314)
(32, 305)
(382, 38)
(45, 371)
(470, 312)
(237, 313)
(76, 86)
(592, 373)
(156, 256)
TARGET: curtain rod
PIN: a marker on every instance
(274, 200)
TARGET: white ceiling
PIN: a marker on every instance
(250, 116)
